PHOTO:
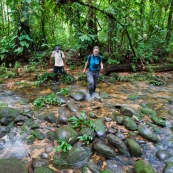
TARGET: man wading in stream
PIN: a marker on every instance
(94, 65)
(58, 56)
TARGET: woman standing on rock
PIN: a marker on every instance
(94, 65)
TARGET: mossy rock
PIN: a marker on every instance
(30, 139)
(147, 133)
(158, 121)
(148, 112)
(38, 134)
(119, 120)
(12, 166)
(142, 166)
(66, 133)
(135, 148)
(73, 159)
(44, 170)
(8, 112)
(129, 123)
(100, 128)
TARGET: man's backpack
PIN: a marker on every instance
(95, 65)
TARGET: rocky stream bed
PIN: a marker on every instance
(130, 125)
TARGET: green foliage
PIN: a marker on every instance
(81, 121)
(43, 78)
(82, 76)
(64, 91)
(49, 99)
(68, 79)
(86, 138)
(63, 146)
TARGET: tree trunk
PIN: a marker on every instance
(128, 68)
(170, 23)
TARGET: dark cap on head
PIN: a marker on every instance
(57, 48)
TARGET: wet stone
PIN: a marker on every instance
(163, 155)
(3, 131)
(40, 162)
(44, 155)
(119, 119)
(30, 139)
(127, 111)
(73, 106)
(61, 98)
(119, 144)
(121, 136)
(75, 158)
(49, 148)
(51, 135)
(38, 134)
(2, 143)
(104, 150)
(142, 166)
(168, 168)
(135, 148)
(78, 95)
(51, 118)
(129, 123)
(66, 133)
(100, 128)
(108, 119)
(20, 118)
(64, 114)
(147, 133)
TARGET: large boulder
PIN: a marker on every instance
(142, 166)
(73, 159)
(8, 114)
(104, 150)
(12, 166)
(118, 143)
(147, 133)
(66, 133)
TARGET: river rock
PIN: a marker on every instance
(49, 148)
(2, 143)
(51, 135)
(104, 150)
(119, 144)
(168, 168)
(12, 166)
(64, 114)
(51, 118)
(43, 170)
(129, 123)
(92, 167)
(66, 133)
(44, 155)
(9, 113)
(148, 112)
(100, 128)
(119, 119)
(87, 131)
(78, 95)
(62, 99)
(127, 111)
(40, 162)
(37, 134)
(158, 121)
(74, 159)
(135, 148)
(120, 135)
(73, 106)
(20, 118)
(142, 166)
(147, 133)
(3, 131)
(163, 155)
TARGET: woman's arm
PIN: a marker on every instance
(86, 64)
